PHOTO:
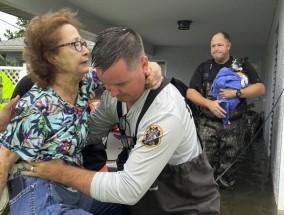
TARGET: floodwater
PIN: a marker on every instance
(253, 194)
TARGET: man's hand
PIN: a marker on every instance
(153, 76)
(7, 113)
(216, 109)
(214, 106)
(57, 170)
(50, 170)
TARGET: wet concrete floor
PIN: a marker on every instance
(253, 194)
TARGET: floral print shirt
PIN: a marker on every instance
(46, 127)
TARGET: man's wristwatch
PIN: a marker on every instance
(238, 93)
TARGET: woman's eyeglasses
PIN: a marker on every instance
(78, 45)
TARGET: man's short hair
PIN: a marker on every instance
(117, 43)
(225, 34)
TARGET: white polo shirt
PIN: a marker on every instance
(166, 135)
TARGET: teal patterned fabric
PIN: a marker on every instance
(46, 127)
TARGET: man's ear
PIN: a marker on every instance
(229, 46)
(144, 62)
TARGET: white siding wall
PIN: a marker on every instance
(274, 127)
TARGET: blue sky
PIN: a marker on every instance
(4, 20)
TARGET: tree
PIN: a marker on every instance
(22, 24)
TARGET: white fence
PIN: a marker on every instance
(15, 73)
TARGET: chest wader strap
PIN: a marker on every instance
(207, 67)
(123, 155)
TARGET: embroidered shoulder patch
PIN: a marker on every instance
(152, 136)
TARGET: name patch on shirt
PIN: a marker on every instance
(152, 136)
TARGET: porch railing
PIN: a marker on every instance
(15, 73)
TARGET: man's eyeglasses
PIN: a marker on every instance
(78, 45)
(127, 141)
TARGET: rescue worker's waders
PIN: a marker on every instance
(181, 190)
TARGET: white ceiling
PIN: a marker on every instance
(247, 21)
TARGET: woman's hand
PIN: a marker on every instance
(153, 76)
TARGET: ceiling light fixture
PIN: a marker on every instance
(184, 24)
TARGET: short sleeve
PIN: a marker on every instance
(196, 79)
(89, 83)
(95, 79)
(26, 133)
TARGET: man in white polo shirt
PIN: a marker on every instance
(166, 171)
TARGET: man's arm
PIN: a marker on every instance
(214, 106)
(7, 113)
(58, 171)
(252, 91)
(197, 98)
(7, 159)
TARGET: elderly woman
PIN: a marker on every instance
(52, 119)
